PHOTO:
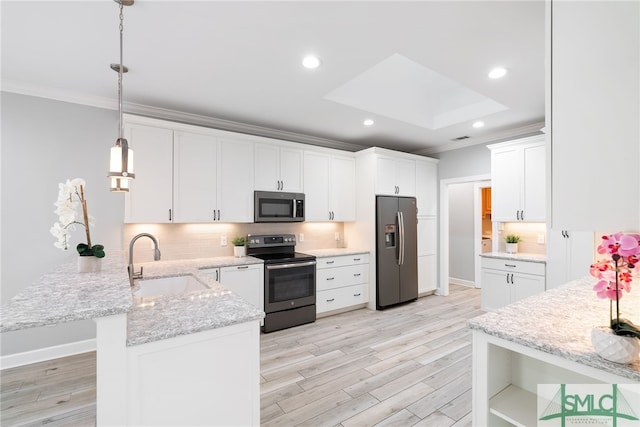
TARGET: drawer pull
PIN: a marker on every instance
(356, 259)
(356, 274)
(243, 267)
(331, 300)
(510, 265)
(329, 262)
(330, 278)
(356, 295)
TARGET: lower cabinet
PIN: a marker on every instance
(505, 281)
(341, 282)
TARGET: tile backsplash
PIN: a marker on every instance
(188, 241)
(528, 232)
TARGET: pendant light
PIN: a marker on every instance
(121, 163)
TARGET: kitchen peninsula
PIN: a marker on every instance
(543, 339)
(209, 338)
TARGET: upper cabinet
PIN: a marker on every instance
(278, 168)
(518, 180)
(187, 174)
(593, 114)
(395, 176)
(427, 187)
(150, 196)
(329, 187)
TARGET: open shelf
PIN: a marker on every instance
(515, 405)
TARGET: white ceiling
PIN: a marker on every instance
(240, 61)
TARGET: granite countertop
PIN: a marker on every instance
(559, 322)
(162, 317)
(521, 256)
(64, 295)
(324, 253)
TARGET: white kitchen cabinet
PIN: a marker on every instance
(195, 189)
(506, 280)
(427, 244)
(594, 115)
(188, 174)
(569, 255)
(395, 176)
(278, 168)
(329, 187)
(246, 281)
(518, 180)
(342, 282)
(150, 196)
(427, 187)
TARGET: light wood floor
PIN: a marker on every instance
(409, 365)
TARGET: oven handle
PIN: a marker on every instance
(292, 265)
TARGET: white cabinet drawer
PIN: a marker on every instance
(334, 299)
(339, 261)
(518, 266)
(338, 277)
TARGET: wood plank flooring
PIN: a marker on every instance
(405, 366)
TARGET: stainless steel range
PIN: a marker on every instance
(289, 281)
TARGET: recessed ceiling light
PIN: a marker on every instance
(497, 73)
(368, 122)
(478, 124)
(311, 61)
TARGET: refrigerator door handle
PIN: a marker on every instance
(401, 242)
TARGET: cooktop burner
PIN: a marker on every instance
(272, 248)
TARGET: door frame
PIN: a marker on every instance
(443, 287)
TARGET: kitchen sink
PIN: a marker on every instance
(168, 286)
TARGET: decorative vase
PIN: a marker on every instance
(615, 348)
(512, 248)
(89, 264)
(240, 251)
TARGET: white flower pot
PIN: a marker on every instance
(89, 264)
(240, 251)
(615, 348)
(512, 248)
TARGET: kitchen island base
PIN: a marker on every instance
(506, 375)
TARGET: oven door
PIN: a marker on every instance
(289, 285)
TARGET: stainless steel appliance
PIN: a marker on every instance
(277, 206)
(289, 281)
(397, 250)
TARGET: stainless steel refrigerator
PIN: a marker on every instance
(397, 250)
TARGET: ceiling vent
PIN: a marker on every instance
(460, 138)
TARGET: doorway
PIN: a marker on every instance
(474, 221)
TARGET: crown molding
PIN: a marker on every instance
(176, 116)
(499, 136)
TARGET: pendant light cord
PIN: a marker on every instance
(120, 73)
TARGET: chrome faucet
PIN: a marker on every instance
(156, 256)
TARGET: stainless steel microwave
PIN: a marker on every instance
(277, 206)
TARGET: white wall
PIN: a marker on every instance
(461, 232)
(44, 142)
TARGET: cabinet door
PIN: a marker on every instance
(427, 236)
(291, 170)
(235, 180)
(525, 285)
(316, 186)
(195, 159)
(385, 176)
(427, 188)
(495, 289)
(581, 253)
(506, 183)
(405, 172)
(595, 114)
(427, 273)
(246, 281)
(557, 258)
(342, 191)
(534, 204)
(150, 196)
(267, 168)
(212, 273)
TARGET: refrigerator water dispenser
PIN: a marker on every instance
(390, 236)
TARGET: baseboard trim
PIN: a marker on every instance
(47, 353)
(468, 283)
